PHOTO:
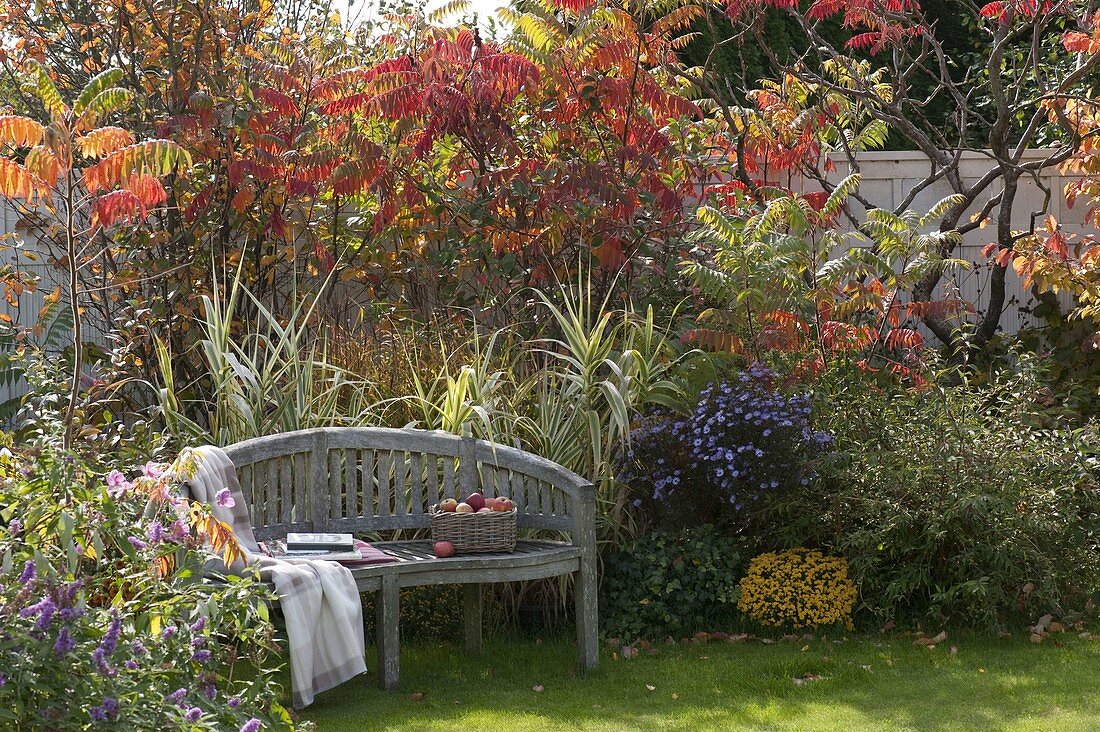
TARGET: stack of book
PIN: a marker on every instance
(337, 547)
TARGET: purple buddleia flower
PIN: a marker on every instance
(234, 702)
(252, 725)
(64, 643)
(177, 696)
(193, 714)
(156, 533)
(201, 656)
(30, 573)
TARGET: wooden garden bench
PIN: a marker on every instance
(372, 480)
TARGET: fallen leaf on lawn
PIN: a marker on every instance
(940, 637)
(981, 670)
(650, 687)
(416, 696)
(954, 650)
(537, 688)
(890, 662)
(675, 696)
(805, 648)
(798, 682)
(866, 667)
(767, 641)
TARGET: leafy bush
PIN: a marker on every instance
(797, 588)
(963, 505)
(743, 441)
(107, 620)
(671, 584)
(432, 612)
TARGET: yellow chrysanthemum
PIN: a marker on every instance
(798, 588)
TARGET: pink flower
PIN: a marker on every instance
(225, 499)
(116, 484)
(151, 470)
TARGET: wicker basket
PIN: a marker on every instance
(475, 532)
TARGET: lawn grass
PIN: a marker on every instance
(870, 682)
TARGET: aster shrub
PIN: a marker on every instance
(743, 441)
(106, 621)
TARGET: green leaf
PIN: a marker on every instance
(98, 84)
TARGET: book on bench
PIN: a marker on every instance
(315, 543)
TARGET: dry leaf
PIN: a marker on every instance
(650, 687)
(537, 688)
(416, 696)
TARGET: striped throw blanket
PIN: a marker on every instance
(319, 599)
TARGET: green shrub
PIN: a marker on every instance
(433, 612)
(975, 507)
(107, 620)
(666, 584)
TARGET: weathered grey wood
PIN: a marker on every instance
(318, 482)
(467, 468)
(385, 502)
(271, 492)
(400, 505)
(367, 488)
(285, 480)
(434, 495)
(379, 479)
(471, 602)
(388, 633)
(416, 483)
(450, 489)
(586, 585)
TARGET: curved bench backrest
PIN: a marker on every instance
(361, 479)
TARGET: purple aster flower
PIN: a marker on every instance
(224, 498)
(152, 470)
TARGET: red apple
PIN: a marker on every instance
(476, 500)
(464, 508)
(448, 505)
(491, 504)
(485, 510)
(504, 504)
(444, 549)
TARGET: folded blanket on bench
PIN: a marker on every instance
(319, 599)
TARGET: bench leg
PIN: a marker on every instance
(388, 634)
(472, 602)
(585, 588)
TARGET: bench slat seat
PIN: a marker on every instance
(417, 565)
(376, 479)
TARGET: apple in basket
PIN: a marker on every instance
(444, 549)
(476, 500)
(464, 508)
(503, 504)
(448, 505)
(485, 510)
